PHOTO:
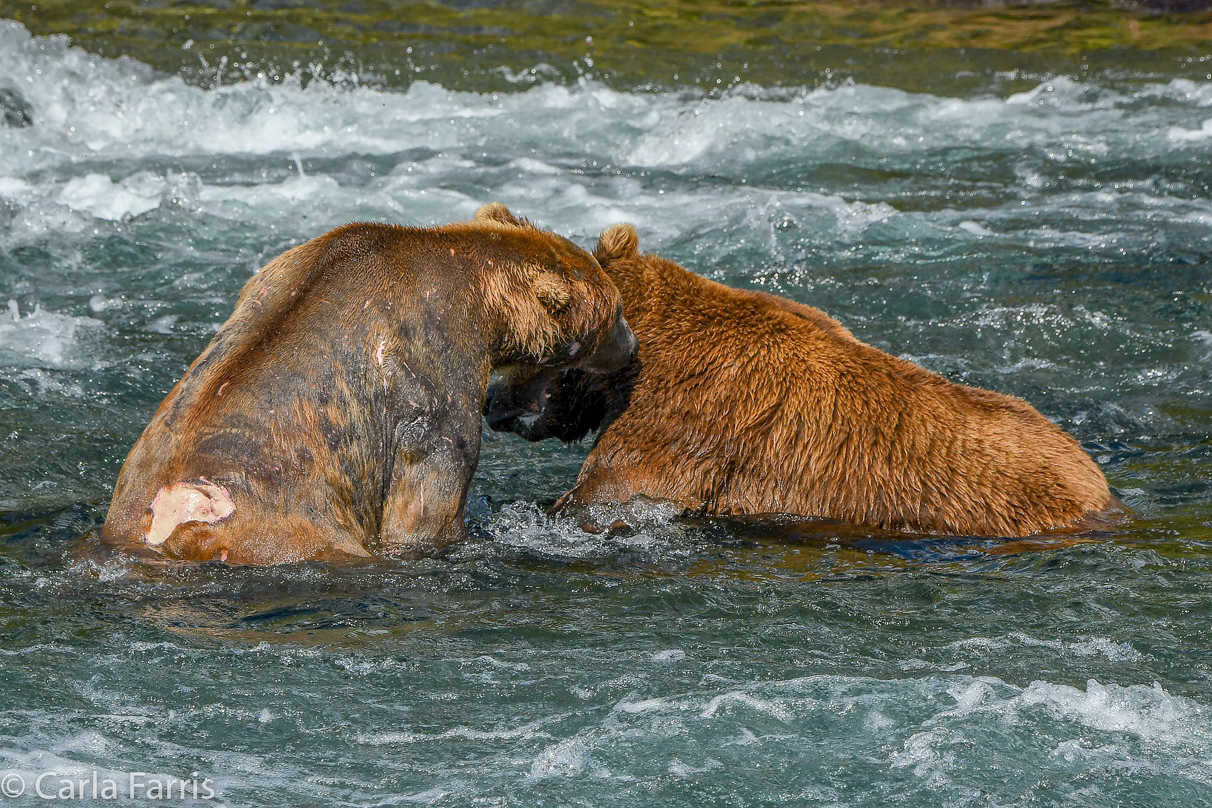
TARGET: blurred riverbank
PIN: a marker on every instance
(944, 48)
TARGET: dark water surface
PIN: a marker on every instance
(1053, 243)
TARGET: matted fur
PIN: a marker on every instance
(338, 410)
(745, 403)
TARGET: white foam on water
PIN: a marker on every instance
(746, 738)
(430, 795)
(1149, 713)
(41, 338)
(105, 199)
(975, 228)
(40, 649)
(15, 188)
(1141, 728)
(163, 325)
(525, 525)
(100, 106)
(659, 705)
(530, 730)
(99, 303)
(172, 647)
(1109, 649)
(1181, 135)
(591, 532)
(90, 110)
(564, 759)
(938, 732)
(729, 702)
(926, 752)
(935, 730)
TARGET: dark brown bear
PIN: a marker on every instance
(744, 403)
(338, 410)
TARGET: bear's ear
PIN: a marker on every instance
(617, 241)
(551, 291)
(496, 212)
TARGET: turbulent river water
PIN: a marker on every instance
(1055, 244)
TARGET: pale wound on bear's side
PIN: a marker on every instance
(187, 502)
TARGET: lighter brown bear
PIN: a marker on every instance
(337, 411)
(741, 402)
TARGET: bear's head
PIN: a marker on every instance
(564, 312)
(538, 402)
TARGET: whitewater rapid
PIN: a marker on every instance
(111, 141)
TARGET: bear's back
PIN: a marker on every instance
(751, 403)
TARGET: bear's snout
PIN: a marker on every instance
(496, 411)
(616, 350)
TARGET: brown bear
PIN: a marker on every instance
(741, 402)
(338, 410)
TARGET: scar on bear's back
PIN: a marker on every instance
(187, 502)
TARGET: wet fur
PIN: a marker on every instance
(340, 404)
(741, 402)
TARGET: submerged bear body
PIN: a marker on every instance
(337, 412)
(740, 402)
